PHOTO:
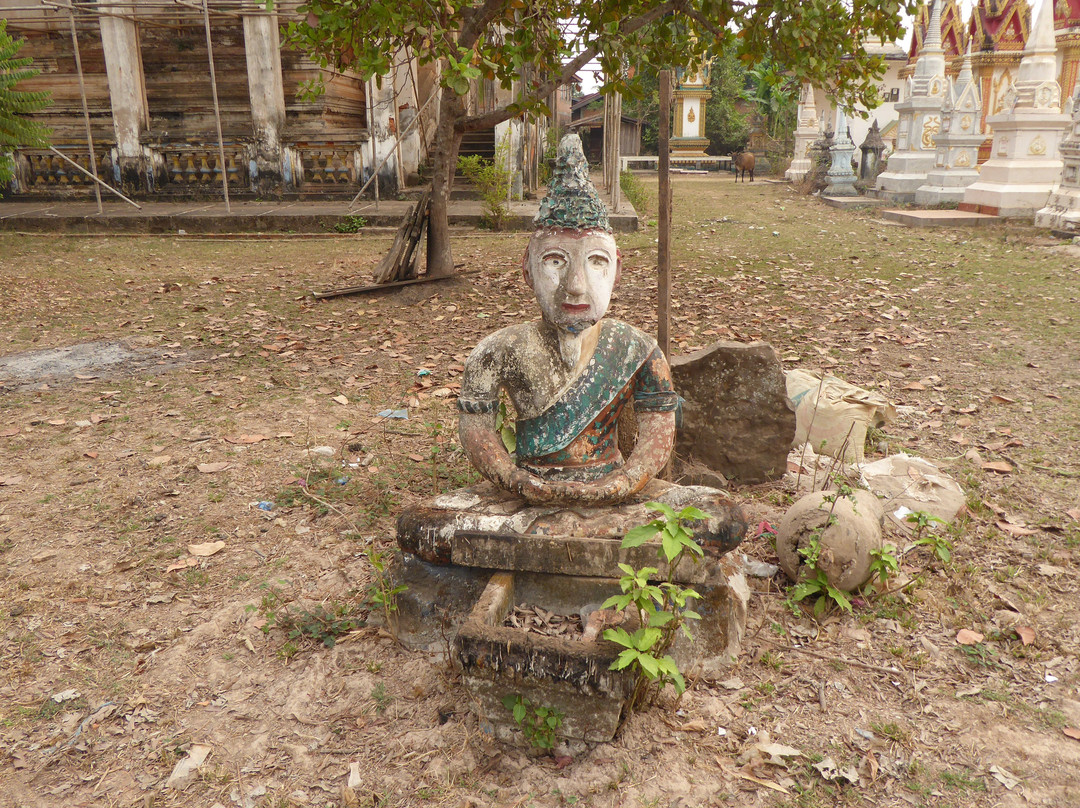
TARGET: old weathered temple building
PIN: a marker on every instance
(161, 128)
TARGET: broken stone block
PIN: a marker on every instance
(736, 417)
(847, 530)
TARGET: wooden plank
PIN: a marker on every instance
(408, 262)
(384, 272)
(358, 290)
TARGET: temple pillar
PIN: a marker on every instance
(262, 48)
(132, 162)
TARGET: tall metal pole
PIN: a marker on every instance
(663, 244)
(217, 108)
(85, 108)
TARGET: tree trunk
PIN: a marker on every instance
(440, 259)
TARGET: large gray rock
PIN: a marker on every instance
(736, 418)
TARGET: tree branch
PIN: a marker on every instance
(543, 90)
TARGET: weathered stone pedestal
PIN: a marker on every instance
(471, 555)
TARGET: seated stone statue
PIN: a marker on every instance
(570, 374)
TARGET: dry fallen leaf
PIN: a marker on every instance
(206, 549)
(1074, 514)
(1026, 634)
(995, 399)
(968, 637)
(1072, 732)
(248, 439)
(13, 480)
(1004, 777)
(341, 399)
(182, 565)
(1015, 530)
(210, 468)
(160, 460)
(1000, 466)
(10, 432)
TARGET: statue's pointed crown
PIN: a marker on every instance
(572, 202)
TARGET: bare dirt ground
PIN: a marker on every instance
(129, 641)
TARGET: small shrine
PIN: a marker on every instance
(1062, 211)
(840, 176)
(545, 529)
(691, 92)
(920, 120)
(1024, 165)
(958, 144)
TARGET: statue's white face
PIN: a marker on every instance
(572, 275)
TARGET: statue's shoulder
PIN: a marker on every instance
(505, 344)
(627, 335)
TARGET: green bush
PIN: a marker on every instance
(634, 190)
(492, 178)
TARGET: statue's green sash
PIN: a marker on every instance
(620, 353)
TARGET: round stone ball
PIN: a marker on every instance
(849, 528)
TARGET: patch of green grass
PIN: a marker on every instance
(964, 780)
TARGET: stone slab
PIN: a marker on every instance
(736, 417)
(485, 526)
(844, 202)
(940, 218)
(565, 555)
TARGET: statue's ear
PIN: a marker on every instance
(618, 267)
(525, 267)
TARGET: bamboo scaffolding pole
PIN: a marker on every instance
(217, 108)
(85, 106)
(96, 179)
(401, 134)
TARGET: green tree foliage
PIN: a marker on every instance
(821, 41)
(776, 95)
(725, 127)
(15, 130)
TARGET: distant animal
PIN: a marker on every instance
(743, 162)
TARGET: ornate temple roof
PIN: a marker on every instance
(1000, 25)
(953, 36)
(1066, 14)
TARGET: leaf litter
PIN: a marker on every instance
(244, 354)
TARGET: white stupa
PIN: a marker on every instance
(1062, 211)
(1025, 165)
(920, 120)
(955, 166)
(805, 134)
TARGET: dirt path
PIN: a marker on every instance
(127, 641)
